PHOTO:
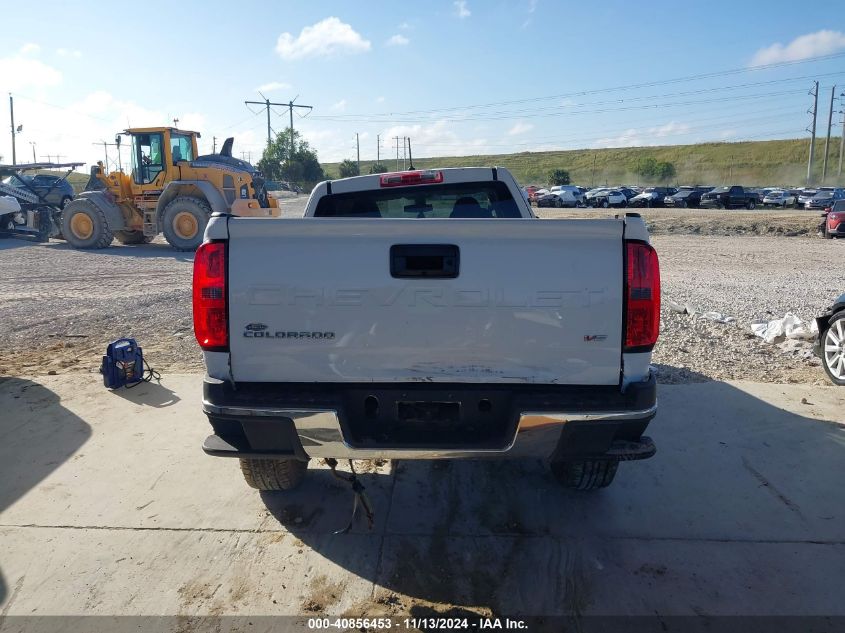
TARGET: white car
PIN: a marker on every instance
(779, 198)
(608, 198)
(567, 197)
(570, 195)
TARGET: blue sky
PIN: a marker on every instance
(462, 77)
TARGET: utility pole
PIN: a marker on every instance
(815, 93)
(396, 139)
(12, 114)
(827, 139)
(358, 152)
(33, 151)
(410, 155)
(378, 149)
(214, 145)
(841, 141)
(175, 123)
(404, 152)
(290, 106)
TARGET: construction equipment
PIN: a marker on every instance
(36, 218)
(170, 190)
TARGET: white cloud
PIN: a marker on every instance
(670, 129)
(340, 106)
(645, 137)
(273, 85)
(323, 39)
(461, 9)
(379, 99)
(397, 40)
(66, 52)
(17, 72)
(803, 47)
(30, 49)
(532, 6)
(521, 127)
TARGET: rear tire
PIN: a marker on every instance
(85, 226)
(751, 205)
(132, 237)
(833, 337)
(273, 474)
(184, 221)
(605, 204)
(586, 474)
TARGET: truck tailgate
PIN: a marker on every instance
(532, 301)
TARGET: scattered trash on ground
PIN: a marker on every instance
(789, 327)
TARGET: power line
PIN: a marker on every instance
(651, 106)
(582, 93)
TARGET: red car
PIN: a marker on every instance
(834, 224)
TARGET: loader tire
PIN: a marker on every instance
(273, 474)
(184, 221)
(85, 226)
(132, 237)
(585, 474)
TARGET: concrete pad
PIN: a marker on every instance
(109, 506)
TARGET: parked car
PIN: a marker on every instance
(567, 192)
(824, 199)
(54, 190)
(608, 198)
(733, 197)
(592, 193)
(805, 196)
(830, 341)
(780, 198)
(686, 197)
(652, 196)
(537, 193)
(628, 193)
(400, 360)
(834, 220)
(556, 199)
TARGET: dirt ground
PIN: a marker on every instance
(61, 307)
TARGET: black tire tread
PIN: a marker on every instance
(585, 474)
(106, 235)
(184, 200)
(273, 474)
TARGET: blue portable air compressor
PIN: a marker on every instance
(123, 364)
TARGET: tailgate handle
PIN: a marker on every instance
(424, 261)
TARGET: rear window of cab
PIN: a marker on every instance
(454, 200)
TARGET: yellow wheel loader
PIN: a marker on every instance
(170, 190)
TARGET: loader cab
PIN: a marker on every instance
(156, 151)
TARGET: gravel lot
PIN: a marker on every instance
(60, 307)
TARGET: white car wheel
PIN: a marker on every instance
(833, 351)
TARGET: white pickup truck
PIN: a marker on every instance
(427, 315)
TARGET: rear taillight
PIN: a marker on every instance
(403, 178)
(642, 297)
(211, 318)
